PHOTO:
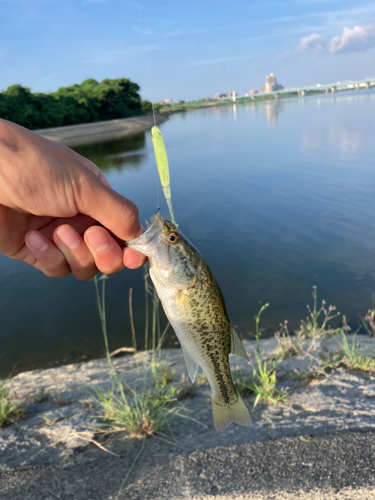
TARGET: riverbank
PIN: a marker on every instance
(91, 133)
(192, 459)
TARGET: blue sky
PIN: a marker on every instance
(185, 49)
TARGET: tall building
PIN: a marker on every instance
(271, 85)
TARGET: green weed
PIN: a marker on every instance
(264, 384)
(138, 415)
(263, 380)
(287, 344)
(145, 410)
(368, 321)
(354, 359)
(9, 411)
(317, 323)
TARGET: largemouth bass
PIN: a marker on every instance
(195, 307)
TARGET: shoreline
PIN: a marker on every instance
(58, 435)
(344, 400)
(105, 131)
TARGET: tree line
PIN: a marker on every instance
(90, 101)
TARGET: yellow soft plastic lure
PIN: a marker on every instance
(163, 168)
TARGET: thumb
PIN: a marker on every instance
(113, 211)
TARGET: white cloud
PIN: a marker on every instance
(354, 39)
(313, 44)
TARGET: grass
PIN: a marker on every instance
(261, 382)
(149, 408)
(145, 410)
(9, 411)
(263, 379)
(348, 356)
(264, 384)
(138, 415)
(287, 344)
(354, 359)
(368, 322)
(318, 324)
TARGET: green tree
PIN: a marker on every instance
(88, 102)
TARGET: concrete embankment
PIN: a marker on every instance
(319, 444)
(91, 133)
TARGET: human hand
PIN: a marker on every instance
(51, 201)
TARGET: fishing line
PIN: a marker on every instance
(130, 469)
(152, 104)
(160, 152)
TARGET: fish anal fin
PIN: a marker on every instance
(191, 365)
(237, 348)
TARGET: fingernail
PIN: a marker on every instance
(37, 241)
(98, 240)
(69, 237)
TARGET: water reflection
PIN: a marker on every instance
(346, 139)
(271, 111)
(116, 155)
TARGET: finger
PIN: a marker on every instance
(50, 260)
(75, 251)
(133, 259)
(79, 222)
(113, 211)
(91, 166)
(104, 249)
(87, 163)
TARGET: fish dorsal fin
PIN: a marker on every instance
(191, 365)
(237, 348)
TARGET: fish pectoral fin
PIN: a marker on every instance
(237, 348)
(191, 365)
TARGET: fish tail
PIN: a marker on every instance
(225, 414)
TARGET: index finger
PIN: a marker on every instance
(113, 211)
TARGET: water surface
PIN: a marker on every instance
(278, 196)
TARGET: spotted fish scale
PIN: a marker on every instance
(195, 307)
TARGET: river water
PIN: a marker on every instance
(278, 197)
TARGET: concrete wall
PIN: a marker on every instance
(90, 133)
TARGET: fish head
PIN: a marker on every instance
(172, 257)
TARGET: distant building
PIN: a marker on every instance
(253, 92)
(271, 85)
(222, 96)
(165, 101)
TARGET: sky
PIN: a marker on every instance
(185, 50)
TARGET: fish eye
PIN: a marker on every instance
(173, 237)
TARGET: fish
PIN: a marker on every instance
(194, 305)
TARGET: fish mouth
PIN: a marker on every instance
(141, 244)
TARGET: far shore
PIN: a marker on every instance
(91, 133)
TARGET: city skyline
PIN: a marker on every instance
(173, 53)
